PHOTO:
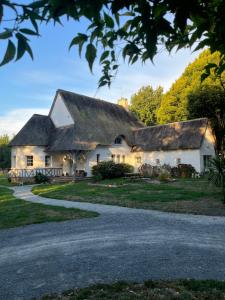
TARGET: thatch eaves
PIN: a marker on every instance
(173, 136)
(36, 132)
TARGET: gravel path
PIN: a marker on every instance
(121, 244)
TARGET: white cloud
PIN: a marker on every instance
(14, 120)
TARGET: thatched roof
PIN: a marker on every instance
(36, 132)
(173, 136)
(95, 122)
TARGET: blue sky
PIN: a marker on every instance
(28, 86)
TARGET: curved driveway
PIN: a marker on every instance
(121, 244)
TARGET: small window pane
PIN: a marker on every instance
(157, 161)
(138, 159)
(118, 140)
(118, 159)
(123, 159)
(47, 161)
(113, 157)
(29, 161)
(178, 161)
(98, 158)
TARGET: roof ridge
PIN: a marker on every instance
(177, 122)
(93, 98)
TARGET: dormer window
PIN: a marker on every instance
(118, 140)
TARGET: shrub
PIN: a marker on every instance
(164, 177)
(183, 171)
(41, 178)
(109, 169)
(217, 173)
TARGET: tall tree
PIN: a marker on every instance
(137, 27)
(174, 105)
(5, 153)
(145, 103)
(210, 102)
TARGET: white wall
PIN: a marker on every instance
(170, 157)
(22, 152)
(106, 154)
(60, 115)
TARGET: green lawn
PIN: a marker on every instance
(154, 290)
(195, 196)
(15, 212)
(4, 180)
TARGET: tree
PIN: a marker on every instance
(5, 153)
(174, 105)
(217, 173)
(135, 29)
(210, 102)
(145, 103)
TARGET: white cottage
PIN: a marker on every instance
(81, 131)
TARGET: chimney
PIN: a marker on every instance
(124, 103)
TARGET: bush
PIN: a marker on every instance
(41, 178)
(183, 171)
(109, 169)
(147, 170)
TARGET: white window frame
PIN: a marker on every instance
(50, 161)
(30, 160)
(157, 161)
(178, 161)
(138, 159)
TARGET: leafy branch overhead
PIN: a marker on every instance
(134, 29)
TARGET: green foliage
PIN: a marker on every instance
(41, 178)
(109, 169)
(174, 105)
(5, 153)
(183, 171)
(217, 172)
(209, 101)
(134, 29)
(145, 103)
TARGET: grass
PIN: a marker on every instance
(194, 196)
(15, 212)
(4, 181)
(154, 290)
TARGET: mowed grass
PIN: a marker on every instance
(15, 212)
(154, 290)
(195, 196)
(4, 180)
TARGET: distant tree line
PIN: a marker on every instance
(188, 98)
(5, 153)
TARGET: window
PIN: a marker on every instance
(138, 159)
(30, 161)
(178, 161)
(123, 158)
(113, 156)
(118, 159)
(206, 161)
(47, 161)
(98, 158)
(157, 161)
(118, 141)
(14, 161)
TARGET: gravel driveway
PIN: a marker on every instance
(121, 244)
